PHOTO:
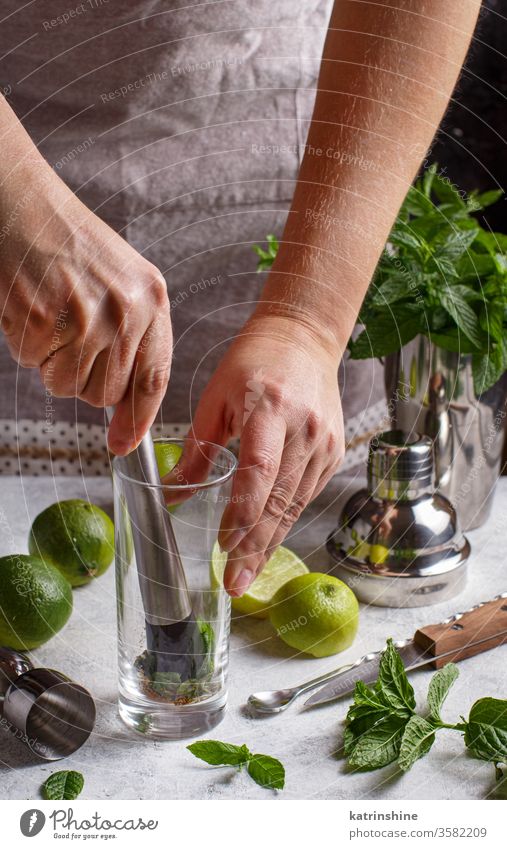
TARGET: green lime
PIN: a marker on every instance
(217, 567)
(167, 454)
(280, 568)
(316, 614)
(35, 601)
(378, 554)
(78, 537)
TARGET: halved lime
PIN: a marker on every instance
(280, 568)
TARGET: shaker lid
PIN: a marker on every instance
(396, 456)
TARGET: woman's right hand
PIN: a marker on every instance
(81, 305)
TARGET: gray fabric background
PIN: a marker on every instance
(174, 163)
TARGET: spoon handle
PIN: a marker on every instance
(321, 679)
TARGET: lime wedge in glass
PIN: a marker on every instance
(167, 454)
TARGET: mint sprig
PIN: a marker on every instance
(264, 769)
(66, 784)
(382, 725)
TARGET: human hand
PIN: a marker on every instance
(276, 388)
(82, 306)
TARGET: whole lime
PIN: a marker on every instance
(35, 601)
(78, 537)
(316, 614)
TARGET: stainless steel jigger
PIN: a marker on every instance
(43, 708)
(173, 638)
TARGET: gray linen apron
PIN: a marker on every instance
(181, 125)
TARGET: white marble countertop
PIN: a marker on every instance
(119, 765)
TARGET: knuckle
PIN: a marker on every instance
(282, 508)
(262, 464)
(158, 289)
(332, 444)
(313, 425)
(245, 518)
(153, 381)
(126, 300)
(38, 314)
(122, 355)
(122, 304)
(336, 447)
(276, 505)
(276, 396)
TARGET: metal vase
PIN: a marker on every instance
(430, 390)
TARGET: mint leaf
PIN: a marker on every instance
(455, 242)
(387, 333)
(366, 697)
(393, 681)
(380, 745)
(267, 258)
(397, 286)
(462, 314)
(66, 784)
(427, 179)
(486, 730)
(447, 193)
(416, 203)
(491, 320)
(474, 266)
(487, 369)
(440, 685)
(267, 771)
(479, 201)
(217, 753)
(349, 740)
(452, 340)
(417, 740)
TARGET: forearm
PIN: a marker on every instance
(387, 74)
(21, 164)
(32, 197)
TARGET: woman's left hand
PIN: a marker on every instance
(277, 389)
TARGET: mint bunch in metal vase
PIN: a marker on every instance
(436, 310)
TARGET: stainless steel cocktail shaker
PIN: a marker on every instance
(398, 543)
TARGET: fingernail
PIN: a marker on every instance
(230, 539)
(242, 582)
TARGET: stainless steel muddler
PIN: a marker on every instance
(174, 641)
